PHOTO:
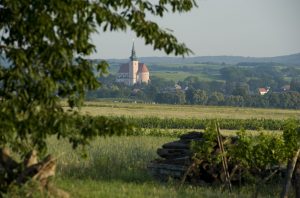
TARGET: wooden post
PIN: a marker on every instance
(297, 178)
(224, 160)
(289, 174)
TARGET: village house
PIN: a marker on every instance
(133, 72)
(262, 91)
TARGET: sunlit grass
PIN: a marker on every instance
(86, 188)
(117, 167)
(184, 111)
(120, 158)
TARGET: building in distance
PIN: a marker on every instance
(133, 72)
(262, 91)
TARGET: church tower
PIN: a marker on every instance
(133, 72)
(133, 67)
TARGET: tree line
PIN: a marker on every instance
(194, 91)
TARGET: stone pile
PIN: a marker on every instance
(176, 162)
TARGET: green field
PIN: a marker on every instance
(116, 167)
(181, 75)
(171, 71)
(183, 111)
(173, 75)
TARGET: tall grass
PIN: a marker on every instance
(116, 167)
(112, 158)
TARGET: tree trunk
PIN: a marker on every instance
(30, 168)
(289, 174)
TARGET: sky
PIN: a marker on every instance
(260, 28)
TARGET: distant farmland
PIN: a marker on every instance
(184, 111)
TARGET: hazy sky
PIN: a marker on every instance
(220, 27)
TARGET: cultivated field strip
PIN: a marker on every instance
(184, 111)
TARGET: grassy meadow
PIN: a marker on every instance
(181, 75)
(180, 71)
(117, 166)
(184, 111)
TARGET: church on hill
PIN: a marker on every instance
(133, 72)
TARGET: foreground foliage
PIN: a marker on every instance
(254, 156)
(45, 44)
(117, 167)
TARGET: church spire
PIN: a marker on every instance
(133, 55)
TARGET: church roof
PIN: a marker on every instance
(262, 90)
(124, 68)
(143, 68)
(133, 56)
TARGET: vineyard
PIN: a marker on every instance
(69, 128)
(118, 163)
(109, 108)
(118, 166)
(257, 168)
(259, 159)
(230, 124)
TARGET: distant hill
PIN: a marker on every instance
(289, 60)
(293, 59)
